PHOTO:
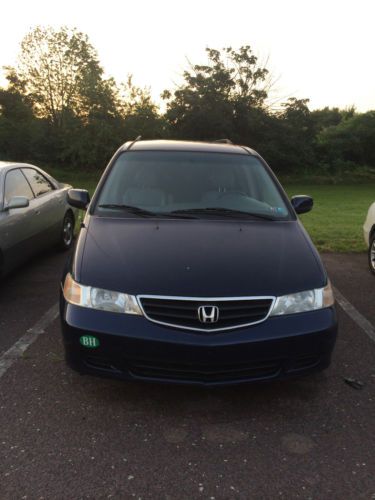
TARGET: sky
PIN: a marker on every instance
(321, 50)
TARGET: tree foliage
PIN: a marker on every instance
(84, 116)
(141, 115)
(215, 97)
(59, 72)
(59, 108)
(349, 142)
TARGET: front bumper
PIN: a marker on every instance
(134, 348)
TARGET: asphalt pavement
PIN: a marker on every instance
(66, 436)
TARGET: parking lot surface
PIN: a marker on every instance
(63, 435)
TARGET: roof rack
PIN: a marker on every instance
(133, 142)
(223, 141)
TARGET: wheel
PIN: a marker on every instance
(371, 254)
(67, 232)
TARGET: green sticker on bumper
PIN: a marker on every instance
(89, 341)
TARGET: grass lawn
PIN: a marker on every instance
(335, 223)
(77, 178)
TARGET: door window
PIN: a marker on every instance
(16, 185)
(40, 185)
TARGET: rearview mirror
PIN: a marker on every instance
(302, 203)
(17, 202)
(78, 198)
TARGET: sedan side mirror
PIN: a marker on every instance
(302, 203)
(17, 202)
(78, 198)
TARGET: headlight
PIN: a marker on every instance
(304, 301)
(96, 298)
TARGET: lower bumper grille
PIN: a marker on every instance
(206, 374)
(209, 374)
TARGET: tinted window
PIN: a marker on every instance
(38, 182)
(162, 182)
(16, 185)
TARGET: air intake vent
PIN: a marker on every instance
(206, 314)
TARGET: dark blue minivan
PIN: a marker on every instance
(192, 267)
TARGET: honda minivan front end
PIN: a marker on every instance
(192, 267)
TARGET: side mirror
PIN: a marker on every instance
(17, 202)
(78, 198)
(302, 203)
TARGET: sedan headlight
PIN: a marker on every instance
(97, 298)
(309, 300)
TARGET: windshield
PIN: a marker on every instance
(172, 183)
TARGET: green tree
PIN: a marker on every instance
(20, 131)
(141, 116)
(59, 72)
(349, 143)
(214, 98)
(297, 139)
(326, 117)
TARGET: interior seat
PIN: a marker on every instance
(136, 196)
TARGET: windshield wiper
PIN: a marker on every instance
(142, 211)
(128, 208)
(229, 212)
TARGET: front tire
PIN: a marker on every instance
(371, 254)
(67, 232)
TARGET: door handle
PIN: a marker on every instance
(37, 212)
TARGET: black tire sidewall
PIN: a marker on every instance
(62, 243)
(372, 241)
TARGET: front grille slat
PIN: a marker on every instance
(258, 312)
(160, 305)
(171, 315)
(182, 312)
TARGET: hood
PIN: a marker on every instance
(206, 258)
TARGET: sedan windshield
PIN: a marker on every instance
(190, 185)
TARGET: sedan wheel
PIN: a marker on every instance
(371, 254)
(67, 232)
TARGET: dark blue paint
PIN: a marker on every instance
(124, 340)
(224, 257)
(206, 258)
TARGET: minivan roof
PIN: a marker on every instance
(163, 145)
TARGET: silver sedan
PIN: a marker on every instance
(34, 214)
(369, 234)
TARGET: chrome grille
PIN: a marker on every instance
(182, 312)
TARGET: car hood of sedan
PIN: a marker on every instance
(199, 258)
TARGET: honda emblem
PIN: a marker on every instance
(208, 314)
